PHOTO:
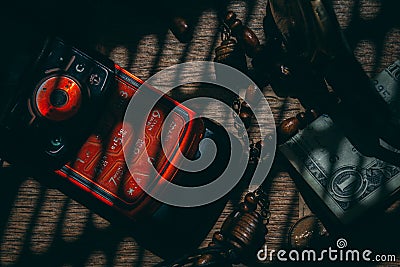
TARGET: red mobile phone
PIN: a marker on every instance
(100, 168)
(67, 115)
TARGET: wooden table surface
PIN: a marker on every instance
(40, 226)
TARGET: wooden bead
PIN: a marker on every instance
(250, 198)
(204, 260)
(218, 237)
(230, 18)
(245, 114)
(231, 54)
(250, 202)
(181, 29)
(311, 115)
(245, 36)
(306, 118)
(250, 41)
(236, 106)
(211, 260)
(236, 27)
(244, 231)
(246, 119)
(302, 119)
(245, 108)
(246, 207)
(287, 129)
(291, 126)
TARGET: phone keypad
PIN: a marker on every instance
(101, 159)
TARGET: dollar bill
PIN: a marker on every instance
(387, 84)
(346, 181)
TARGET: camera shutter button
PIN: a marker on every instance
(58, 98)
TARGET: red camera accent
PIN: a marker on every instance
(58, 98)
(100, 167)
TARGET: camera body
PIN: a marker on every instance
(52, 109)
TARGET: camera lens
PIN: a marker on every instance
(58, 98)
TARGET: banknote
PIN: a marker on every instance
(348, 182)
(387, 83)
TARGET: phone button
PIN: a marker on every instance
(58, 98)
(80, 67)
(131, 190)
